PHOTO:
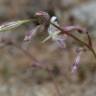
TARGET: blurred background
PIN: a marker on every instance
(18, 77)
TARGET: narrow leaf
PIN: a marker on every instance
(11, 25)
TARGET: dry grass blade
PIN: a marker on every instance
(11, 25)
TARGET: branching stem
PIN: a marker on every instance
(77, 39)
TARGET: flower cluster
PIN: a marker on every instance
(60, 35)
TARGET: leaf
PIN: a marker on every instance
(11, 25)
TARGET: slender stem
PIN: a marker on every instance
(26, 53)
(94, 53)
(74, 37)
(89, 39)
(38, 65)
(58, 93)
(55, 84)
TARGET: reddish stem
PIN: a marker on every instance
(74, 37)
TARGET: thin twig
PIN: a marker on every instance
(38, 65)
(89, 40)
(74, 37)
(58, 93)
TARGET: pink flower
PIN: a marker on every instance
(75, 27)
(77, 60)
(31, 33)
(43, 14)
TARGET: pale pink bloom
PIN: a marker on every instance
(43, 15)
(31, 33)
(77, 60)
(75, 27)
(54, 33)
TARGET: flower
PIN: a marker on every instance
(42, 15)
(54, 33)
(31, 33)
(77, 59)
